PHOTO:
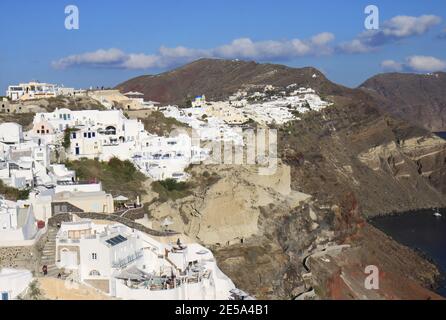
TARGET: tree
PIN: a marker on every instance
(67, 137)
(188, 103)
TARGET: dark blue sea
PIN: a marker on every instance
(441, 134)
(419, 230)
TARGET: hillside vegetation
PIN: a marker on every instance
(117, 177)
(13, 194)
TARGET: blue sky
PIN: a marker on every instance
(118, 40)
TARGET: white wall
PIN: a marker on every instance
(11, 132)
(193, 291)
(91, 187)
(102, 263)
(27, 232)
(14, 281)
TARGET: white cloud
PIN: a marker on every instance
(323, 38)
(407, 26)
(99, 57)
(141, 61)
(395, 29)
(415, 64)
(425, 64)
(391, 65)
(355, 46)
(243, 48)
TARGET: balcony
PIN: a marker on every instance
(122, 263)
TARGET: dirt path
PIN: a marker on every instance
(56, 289)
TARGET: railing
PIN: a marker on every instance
(70, 183)
(122, 263)
(65, 217)
(68, 240)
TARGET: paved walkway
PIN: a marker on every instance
(111, 217)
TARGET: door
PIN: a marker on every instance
(5, 296)
(68, 259)
(77, 150)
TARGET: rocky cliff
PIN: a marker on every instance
(388, 165)
(417, 98)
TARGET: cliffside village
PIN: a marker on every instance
(116, 259)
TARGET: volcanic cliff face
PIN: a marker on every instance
(388, 165)
(417, 98)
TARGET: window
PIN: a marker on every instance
(85, 134)
(94, 273)
(94, 256)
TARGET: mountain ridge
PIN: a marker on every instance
(417, 98)
(219, 78)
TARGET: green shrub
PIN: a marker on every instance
(171, 189)
(67, 137)
(117, 177)
(13, 194)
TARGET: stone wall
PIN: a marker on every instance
(65, 217)
(19, 258)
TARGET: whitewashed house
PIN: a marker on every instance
(11, 133)
(31, 90)
(167, 157)
(14, 282)
(17, 222)
(130, 264)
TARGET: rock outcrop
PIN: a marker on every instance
(228, 210)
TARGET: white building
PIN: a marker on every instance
(25, 164)
(167, 157)
(17, 222)
(11, 133)
(107, 134)
(129, 264)
(199, 101)
(13, 282)
(31, 90)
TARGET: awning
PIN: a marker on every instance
(133, 273)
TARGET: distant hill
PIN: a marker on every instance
(417, 98)
(217, 78)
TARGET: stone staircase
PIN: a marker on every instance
(48, 257)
